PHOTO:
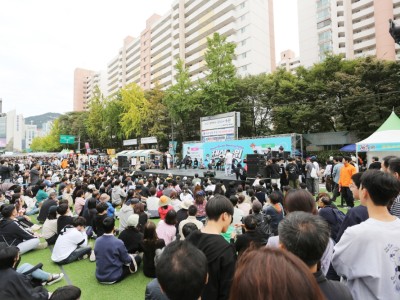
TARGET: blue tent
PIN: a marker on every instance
(349, 148)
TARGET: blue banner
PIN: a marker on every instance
(239, 148)
(378, 147)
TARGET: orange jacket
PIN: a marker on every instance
(346, 172)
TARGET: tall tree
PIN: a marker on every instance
(135, 110)
(218, 89)
(183, 105)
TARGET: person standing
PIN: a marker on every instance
(35, 174)
(372, 273)
(346, 172)
(228, 162)
(337, 166)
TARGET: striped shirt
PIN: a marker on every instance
(395, 209)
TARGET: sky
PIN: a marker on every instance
(43, 41)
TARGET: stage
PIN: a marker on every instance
(189, 173)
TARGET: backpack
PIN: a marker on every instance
(339, 216)
(264, 229)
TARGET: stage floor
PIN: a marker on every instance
(186, 172)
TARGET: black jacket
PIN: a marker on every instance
(332, 290)
(63, 221)
(132, 239)
(221, 257)
(14, 285)
(12, 233)
(44, 210)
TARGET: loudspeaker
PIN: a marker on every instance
(255, 165)
(123, 162)
(210, 174)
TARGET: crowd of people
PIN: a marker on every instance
(264, 240)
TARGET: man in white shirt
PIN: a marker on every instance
(190, 219)
(368, 254)
(228, 162)
(72, 243)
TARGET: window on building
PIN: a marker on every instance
(243, 4)
(242, 18)
(324, 36)
(324, 23)
(243, 42)
(323, 14)
(244, 54)
(322, 3)
(243, 30)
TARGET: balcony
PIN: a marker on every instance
(364, 33)
(361, 4)
(227, 19)
(210, 16)
(160, 47)
(396, 12)
(201, 8)
(369, 11)
(161, 38)
(162, 25)
(196, 57)
(364, 23)
(160, 57)
(163, 64)
(365, 44)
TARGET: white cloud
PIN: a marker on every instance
(43, 41)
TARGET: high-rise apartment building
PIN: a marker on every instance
(85, 82)
(289, 61)
(182, 33)
(355, 28)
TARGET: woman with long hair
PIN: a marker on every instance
(151, 243)
(200, 202)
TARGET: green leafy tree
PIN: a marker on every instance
(95, 119)
(135, 110)
(218, 88)
(183, 105)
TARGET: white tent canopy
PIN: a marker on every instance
(383, 142)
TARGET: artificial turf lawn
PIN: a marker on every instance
(82, 274)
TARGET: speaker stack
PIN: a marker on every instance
(255, 165)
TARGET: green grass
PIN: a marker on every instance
(82, 274)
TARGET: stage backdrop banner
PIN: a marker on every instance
(239, 148)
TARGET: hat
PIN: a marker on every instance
(186, 203)
(170, 175)
(104, 197)
(91, 187)
(133, 220)
(164, 200)
(184, 178)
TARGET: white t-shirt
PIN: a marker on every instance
(67, 243)
(368, 255)
(152, 203)
(228, 158)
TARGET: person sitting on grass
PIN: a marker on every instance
(113, 262)
(49, 229)
(39, 275)
(71, 244)
(14, 285)
(131, 236)
(14, 234)
(151, 243)
(99, 218)
(64, 218)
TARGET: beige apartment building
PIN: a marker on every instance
(182, 33)
(85, 82)
(355, 28)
